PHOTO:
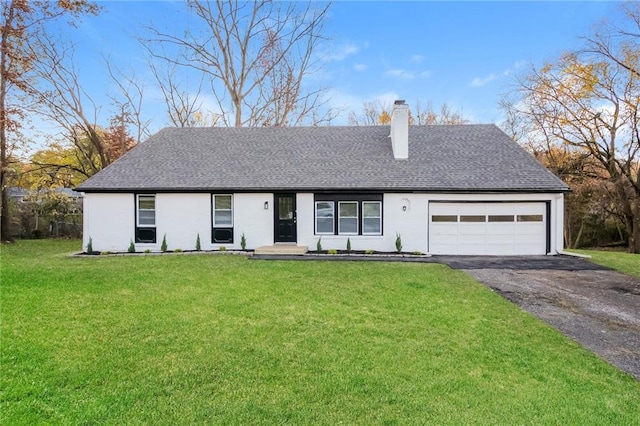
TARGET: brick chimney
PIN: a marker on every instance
(400, 130)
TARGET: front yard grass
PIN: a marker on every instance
(219, 339)
(627, 263)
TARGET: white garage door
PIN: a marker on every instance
(487, 228)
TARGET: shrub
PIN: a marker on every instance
(147, 251)
(243, 242)
(319, 244)
(164, 246)
(105, 252)
(178, 250)
(90, 246)
(132, 247)
(369, 251)
(198, 246)
(222, 248)
(398, 243)
(332, 251)
(348, 245)
(418, 253)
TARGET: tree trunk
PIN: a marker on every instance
(576, 243)
(634, 237)
(5, 221)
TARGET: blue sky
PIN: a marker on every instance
(461, 53)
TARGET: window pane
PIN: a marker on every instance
(371, 226)
(223, 235)
(324, 225)
(223, 218)
(147, 202)
(285, 208)
(501, 218)
(324, 210)
(223, 202)
(529, 218)
(349, 209)
(371, 209)
(147, 217)
(349, 226)
(444, 218)
(145, 235)
(473, 218)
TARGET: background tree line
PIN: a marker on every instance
(577, 114)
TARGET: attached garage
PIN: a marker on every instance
(489, 228)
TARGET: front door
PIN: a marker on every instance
(285, 218)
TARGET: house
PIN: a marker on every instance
(466, 189)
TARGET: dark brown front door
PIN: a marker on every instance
(285, 218)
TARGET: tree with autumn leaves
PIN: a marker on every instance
(23, 23)
(586, 106)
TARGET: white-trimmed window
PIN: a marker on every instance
(146, 210)
(348, 217)
(223, 210)
(145, 218)
(222, 220)
(325, 223)
(371, 218)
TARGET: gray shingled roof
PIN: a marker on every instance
(441, 158)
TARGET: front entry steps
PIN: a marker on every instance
(282, 249)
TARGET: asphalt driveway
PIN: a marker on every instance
(596, 306)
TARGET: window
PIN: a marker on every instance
(529, 218)
(222, 210)
(444, 218)
(371, 218)
(222, 231)
(348, 213)
(324, 217)
(145, 219)
(500, 218)
(472, 218)
(348, 217)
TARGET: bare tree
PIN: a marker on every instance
(254, 57)
(446, 116)
(128, 102)
(379, 113)
(62, 99)
(370, 114)
(182, 105)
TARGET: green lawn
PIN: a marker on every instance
(219, 339)
(627, 263)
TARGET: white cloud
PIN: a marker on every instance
(360, 67)
(385, 98)
(340, 53)
(406, 74)
(416, 59)
(481, 81)
(400, 73)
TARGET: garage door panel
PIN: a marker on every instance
(508, 228)
(469, 229)
(472, 239)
